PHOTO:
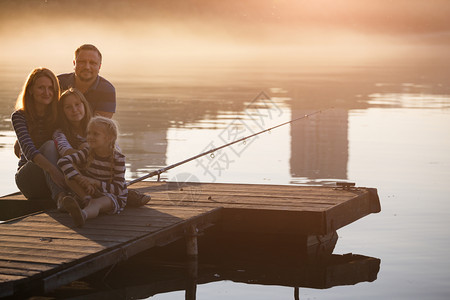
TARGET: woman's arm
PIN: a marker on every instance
(56, 174)
(30, 151)
(20, 126)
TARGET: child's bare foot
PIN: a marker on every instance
(71, 205)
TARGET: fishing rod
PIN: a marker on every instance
(162, 170)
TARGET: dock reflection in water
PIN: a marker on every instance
(254, 260)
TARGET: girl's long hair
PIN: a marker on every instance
(25, 101)
(64, 123)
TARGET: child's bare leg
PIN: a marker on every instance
(98, 205)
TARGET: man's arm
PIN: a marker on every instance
(104, 98)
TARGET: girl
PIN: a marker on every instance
(96, 173)
(74, 115)
(34, 121)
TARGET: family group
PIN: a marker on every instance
(67, 141)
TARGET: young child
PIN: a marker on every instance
(96, 174)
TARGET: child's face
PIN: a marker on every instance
(73, 109)
(97, 137)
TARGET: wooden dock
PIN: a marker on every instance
(43, 251)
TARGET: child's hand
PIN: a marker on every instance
(90, 189)
(82, 146)
(93, 182)
(81, 180)
(88, 184)
(84, 182)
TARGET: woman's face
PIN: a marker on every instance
(42, 91)
(73, 109)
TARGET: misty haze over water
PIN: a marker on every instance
(185, 71)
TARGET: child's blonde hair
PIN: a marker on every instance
(112, 131)
(110, 126)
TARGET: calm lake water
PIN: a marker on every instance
(382, 126)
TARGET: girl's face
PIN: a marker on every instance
(73, 109)
(97, 138)
(42, 91)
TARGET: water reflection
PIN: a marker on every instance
(255, 260)
(319, 147)
(166, 121)
(409, 100)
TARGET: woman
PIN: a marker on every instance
(34, 121)
(74, 115)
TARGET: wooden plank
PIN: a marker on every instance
(43, 228)
(254, 205)
(8, 272)
(145, 214)
(139, 221)
(258, 191)
(31, 266)
(47, 252)
(41, 241)
(73, 235)
(22, 257)
(52, 246)
(227, 200)
(187, 194)
(147, 186)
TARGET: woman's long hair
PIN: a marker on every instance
(64, 123)
(25, 101)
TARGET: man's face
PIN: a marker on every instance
(87, 65)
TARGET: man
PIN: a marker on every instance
(99, 92)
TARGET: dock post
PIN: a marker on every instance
(191, 241)
(192, 276)
(192, 253)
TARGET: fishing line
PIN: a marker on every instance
(162, 170)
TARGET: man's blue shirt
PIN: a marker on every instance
(101, 95)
